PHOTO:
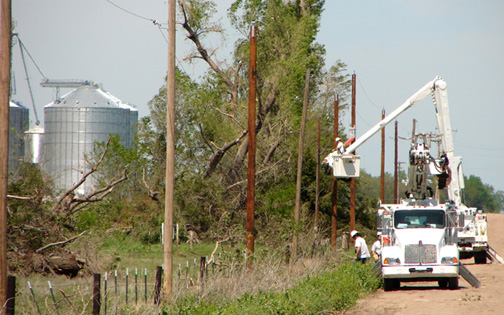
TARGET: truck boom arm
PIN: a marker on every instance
(412, 100)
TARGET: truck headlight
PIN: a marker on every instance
(449, 260)
(391, 261)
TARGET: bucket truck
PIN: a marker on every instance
(420, 236)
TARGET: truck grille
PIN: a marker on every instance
(425, 254)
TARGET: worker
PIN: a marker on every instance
(376, 248)
(361, 249)
(340, 147)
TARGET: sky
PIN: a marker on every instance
(394, 48)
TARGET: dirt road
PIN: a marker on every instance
(427, 298)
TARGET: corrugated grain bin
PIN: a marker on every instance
(74, 123)
(34, 139)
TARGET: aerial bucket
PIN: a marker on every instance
(346, 165)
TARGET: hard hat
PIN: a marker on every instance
(337, 139)
(353, 233)
(378, 234)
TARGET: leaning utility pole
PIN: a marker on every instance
(5, 70)
(396, 162)
(170, 153)
(251, 144)
(352, 180)
(334, 191)
(382, 171)
(297, 208)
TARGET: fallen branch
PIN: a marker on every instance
(212, 257)
(60, 243)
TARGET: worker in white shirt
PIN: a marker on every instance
(361, 249)
(376, 248)
(340, 147)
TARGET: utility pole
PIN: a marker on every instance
(251, 144)
(5, 71)
(170, 153)
(334, 193)
(297, 208)
(396, 165)
(382, 172)
(317, 176)
(352, 180)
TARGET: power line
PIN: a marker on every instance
(155, 22)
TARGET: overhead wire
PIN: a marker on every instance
(154, 21)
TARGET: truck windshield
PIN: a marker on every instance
(406, 219)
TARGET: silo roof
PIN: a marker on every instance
(14, 103)
(89, 96)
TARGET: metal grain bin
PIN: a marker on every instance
(18, 124)
(34, 139)
(73, 124)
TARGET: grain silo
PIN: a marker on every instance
(18, 124)
(33, 145)
(73, 123)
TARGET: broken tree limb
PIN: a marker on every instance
(60, 243)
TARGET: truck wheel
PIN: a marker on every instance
(443, 283)
(388, 285)
(453, 283)
(480, 258)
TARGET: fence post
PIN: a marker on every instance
(34, 298)
(105, 293)
(127, 276)
(96, 294)
(202, 270)
(157, 287)
(11, 295)
(53, 297)
(145, 284)
(136, 285)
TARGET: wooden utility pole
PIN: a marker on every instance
(382, 172)
(396, 165)
(317, 176)
(5, 70)
(297, 208)
(352, 180)
(170, 153)
(251, 143)
(334, 192)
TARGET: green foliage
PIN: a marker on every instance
(482, 196)
(328, 292)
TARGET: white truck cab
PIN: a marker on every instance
(419, 243)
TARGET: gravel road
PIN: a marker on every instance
(428, 298)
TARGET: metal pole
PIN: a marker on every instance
(300, 166)
(5, 70)
(53, 297)
(352, 180)
(334, 193)
(382, 172)
(396, 161)
(170, 152)
(251, 144)
(34, 298)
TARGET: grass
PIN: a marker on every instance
(311, 285)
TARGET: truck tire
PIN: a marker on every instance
(388, 285)
(480, 257)
(453, 283)
(443, 283)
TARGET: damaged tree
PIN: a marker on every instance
(38, 232)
